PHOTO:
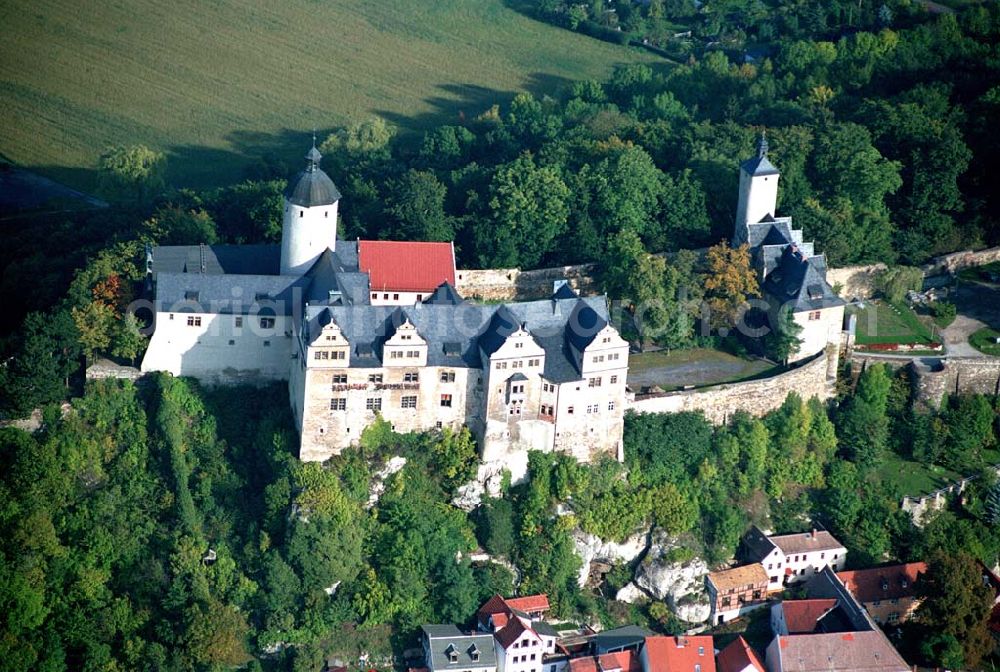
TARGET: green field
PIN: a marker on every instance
(675, 369)
(215, 83)
(985, 340)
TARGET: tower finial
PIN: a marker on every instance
(762, 144)
(313, 156)
(314, 137)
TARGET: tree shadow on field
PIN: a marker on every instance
(461, 103)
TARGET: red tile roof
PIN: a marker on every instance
(802, 615)
(680, 653)
(883, 583)
(529, 603)
(512, 631)
(623, 661)
(494, 605)
(738, 656)
(406, 266)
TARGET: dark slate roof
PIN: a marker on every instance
(771, 231)
(801, 281)
(440, 639)
(502, 324)
(759, 165)
(217, 259)
(455, 333)
(312, 186)
(543, 628)
(755, 546)
(445, 295)
(586, 323)
(334, 282)
(232, 294)
(620, 638)
(564, 291)
(826, 584)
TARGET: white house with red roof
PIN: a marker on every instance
(738, 656)
(405, 273)
(524, 642)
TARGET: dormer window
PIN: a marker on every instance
(885, 585)
(904, 582)
(452, 653)
(474, 653)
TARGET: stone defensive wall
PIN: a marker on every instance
(756, 397)
(933, 377)
(918, 505)
(510, 284)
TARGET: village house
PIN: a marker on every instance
(448, 649)
(523, 641)
(789, 559)
(797, 617)
(678, 653)
(734, 592)
(738, 656)
(888, 593)
(844, 651)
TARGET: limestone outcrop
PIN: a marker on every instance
(591, 548)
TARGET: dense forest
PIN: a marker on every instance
(170, 527)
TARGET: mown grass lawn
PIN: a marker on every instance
(985, 340)
(216, 83)
(884, 322)
(676, 369)
(914, 478)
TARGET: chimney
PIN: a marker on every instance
(814, 533)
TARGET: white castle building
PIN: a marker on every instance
(791, 275)
(367, 328)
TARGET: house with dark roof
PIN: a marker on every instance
(796, 617)
(792, 276)
(789, 559)
(889, 592)
(365, 329)
(447, 648)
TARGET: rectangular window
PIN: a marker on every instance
(593, 382)
(267, 323)
(395, 354)
(408, 402)
(411, 377)
(814, 315)
(340, 379)
(447, 376)
(395, 297)
(385, 297)
(518, 345)
(374, 296)
(569, 410)
(338, 404)
(339, 354)
(412, 353)
(446, 400)
(534, 362)
(267, 344)
(374, 377)
(611, 405)
(239, 322)
(373, 403)
(194, 321)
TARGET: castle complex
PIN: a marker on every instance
(367, 328)
(361, 329)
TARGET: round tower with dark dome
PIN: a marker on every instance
(310, 219)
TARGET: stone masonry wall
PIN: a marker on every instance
(856, 282)
(956, 261)
(508, 284)
(756, 397)
(973, 375)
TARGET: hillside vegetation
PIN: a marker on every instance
(212, 82)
